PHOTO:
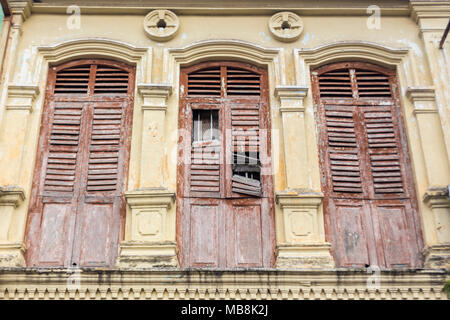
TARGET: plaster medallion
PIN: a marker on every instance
(286, 26)
(161, 25)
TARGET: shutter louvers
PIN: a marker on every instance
(343, 150)
(73, 80)
(205, 82)
(110, 80)
(245, 146)
(372, 84)
(383, 150)
(205, 169)
(63, 148)
(366, 178)
(242, 82)
(205, 154)
(335, 84)
(104, 148)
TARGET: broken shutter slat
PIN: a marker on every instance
(245, 185)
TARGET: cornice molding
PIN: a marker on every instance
(437, 197)
(21, 7)
(429, 10)
(11, 196)
(423, 99)
(351, 284)
(150, 197)
(299, 198)
(21, 97)
(154, 95)
(291, 98)
(242, 7)
(421, 94)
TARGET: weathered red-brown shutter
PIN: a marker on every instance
(225, 203)
(77, 199)
(245, 129)
(370, 206)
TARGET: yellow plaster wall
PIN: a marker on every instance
(50, 29)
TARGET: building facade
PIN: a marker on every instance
(247, 150)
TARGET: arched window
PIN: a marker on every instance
(370, 202)
(81, 169)
(225, 191)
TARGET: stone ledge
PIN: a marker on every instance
(146, 254)
(437, 256)
(149, 197)
(32, 283)
(437, 196)
(12, 254)
(11, 196)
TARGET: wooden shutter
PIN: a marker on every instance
(242, 82)
(245, 128)
(77, 200)
(205, 156)
(225, 203)
(205, 82)
(384, 150)
(111, 80)
(63, 148)
(344, 156)
(367, 178)
(73, 80)
(205, 169)
(104, 147)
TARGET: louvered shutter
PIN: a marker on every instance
(83, 165)
(245, 121)
(343, 149)
(365, 163)
(384, 150)
(245, 128)
(205, 169)
(225, 203)
(205, 82)
(63, 148)
(104, 147)
(73, 80)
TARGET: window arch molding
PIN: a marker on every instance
(231, 50)
(400, 59)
